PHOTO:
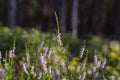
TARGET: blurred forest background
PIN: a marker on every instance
(80, 17)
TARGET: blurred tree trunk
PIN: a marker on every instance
(99, 17)
(117, 20)
(83, 19)
(19, 13)
(11, 13)
(61, 11)
(74, 20)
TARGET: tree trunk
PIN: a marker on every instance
(19, 13)
(74, 20)
(99, 17)
(117, 20)
(11, 13)
(83, 19)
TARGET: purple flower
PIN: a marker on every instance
(50, 69)
(95, 59)
(98, 64)
(83, 65)
(94, 69)
(46, 50)
(44, 68)
(43, 63)
(0, 55)
(81, 52)
(83, 76)
(2, 72)
(11, 54)
(49, 54)
(24, 68)
(57, 74)
(103, 64)
(42, 60)
(28, 59)
(63, 67)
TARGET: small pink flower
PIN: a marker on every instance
(2, 72)
(103, 65)
(49, 54)
(83, 76)
(24, 68)
(0, 55)
(63, 67)
(50, 69)
(81, 52)
(94, 69)
(11, 54)
(42, 60)
(57, 74)
(83, 65)
(46, 51)
(95, 59)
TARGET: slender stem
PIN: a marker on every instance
(57, 21)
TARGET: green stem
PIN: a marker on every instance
(57, 21)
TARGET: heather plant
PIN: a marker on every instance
(51, 60)
(53, 63)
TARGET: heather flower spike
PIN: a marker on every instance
(63, 67)
(28, 59)
(57, 74)
(11, 54)
(44, 68)
(50, 69)
(83, 65)
(43, 63)
(94, 69)
(103, 64)
(2, 72)
(24, 68)
(98, 64)
(59, 34)
(42, 60)
(0, 55)
(95, 59)
(59, 39)
(81, 52)
(83, 76)
(46, 51)
(49, 54)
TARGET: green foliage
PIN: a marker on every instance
(99, 46)
(32, 44)
(24, 38)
